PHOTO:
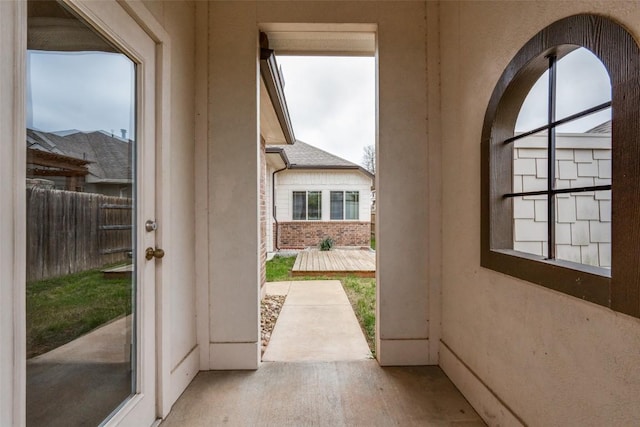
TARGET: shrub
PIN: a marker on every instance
(326, 244)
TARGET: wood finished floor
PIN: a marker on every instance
(356, 393)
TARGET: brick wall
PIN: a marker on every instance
(263, 214)
(303, 234)
(583, 220)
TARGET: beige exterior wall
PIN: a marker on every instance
(513, 347)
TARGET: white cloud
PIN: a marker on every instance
(331, 102)
(84, 91)
(582, 82)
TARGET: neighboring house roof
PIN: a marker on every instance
(301, 155)
(44, 163)
(601, 128)
(109, 156)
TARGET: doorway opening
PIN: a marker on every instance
(320, 199)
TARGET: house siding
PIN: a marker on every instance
(583, 220)
(325, 181)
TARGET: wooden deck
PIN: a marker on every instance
(336, 262)
(120, 272)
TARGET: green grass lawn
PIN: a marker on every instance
(361, 293)
(279, 268)
(362, 296)
(60, 310)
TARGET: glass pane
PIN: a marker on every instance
(530, 225)
(530, 168)
(535, 108)
(80, 221)
(583, 228)
(583, 152)
(352, 204)
(582, 82)
(299, 205)
(315, 205)
(337, 209)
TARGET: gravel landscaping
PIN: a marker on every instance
(270, 307)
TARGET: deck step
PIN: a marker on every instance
(119, 272)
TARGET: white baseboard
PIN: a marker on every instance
(487, 404)
(232, 356)
(403, 352)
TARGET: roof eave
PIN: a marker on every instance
(279, 151)
(273, 82)
(334, 167)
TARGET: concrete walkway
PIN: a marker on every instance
(316, 324)
(83, 381)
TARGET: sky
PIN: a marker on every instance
(582, 82)
(84, 91)
(331, 100)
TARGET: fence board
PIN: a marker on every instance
(64, 232)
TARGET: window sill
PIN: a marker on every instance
(581, 281)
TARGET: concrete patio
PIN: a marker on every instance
(317, 371)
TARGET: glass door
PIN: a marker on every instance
(89, 290)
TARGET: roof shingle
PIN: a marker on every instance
(302, 154)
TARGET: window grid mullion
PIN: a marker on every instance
(551, 160)
(560, 122)
(344, 205)
(559, 191)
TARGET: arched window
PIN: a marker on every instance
(561, 164)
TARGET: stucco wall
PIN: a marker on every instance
(548, 359)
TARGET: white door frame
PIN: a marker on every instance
(13, 44)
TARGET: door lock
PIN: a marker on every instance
(150, 225)
(151, 253)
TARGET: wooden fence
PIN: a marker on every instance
(373, 225)
(69, 232)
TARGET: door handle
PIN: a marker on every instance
(151, 253)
